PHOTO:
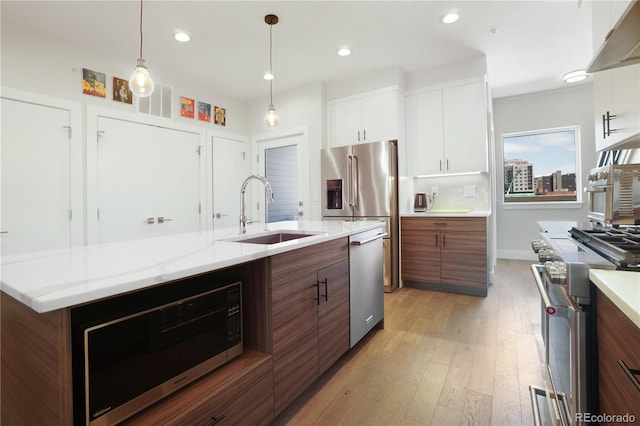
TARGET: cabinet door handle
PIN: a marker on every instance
(326, 289)
(358, 135)
(631, 374)
(364, 135)
(440, 165)
(216, 420)
(317, 298)
(604, 127)
(150, 221)
(163, 219)
(436, 240)
(609, 117)
(444, 240)
(447, 164)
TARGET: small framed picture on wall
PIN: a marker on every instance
(94, 83)
(204, 112)
(219, 116)
(121, 91)
(187, 107)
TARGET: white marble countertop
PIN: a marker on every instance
(449, 213)
(622, 287)
(50, 280)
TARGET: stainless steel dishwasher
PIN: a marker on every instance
(366, 277)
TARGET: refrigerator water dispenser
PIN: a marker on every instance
(334, 194)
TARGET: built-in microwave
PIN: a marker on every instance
(614, 194)
(131, 351)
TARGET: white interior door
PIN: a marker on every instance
(145, 173)
(125, 180)
(230, 169)
(177, 203)
(35, 177)
(287, 186)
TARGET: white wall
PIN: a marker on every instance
(573, 106)
(43, 65)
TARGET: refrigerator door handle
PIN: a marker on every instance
(350, 180)
(356, 181)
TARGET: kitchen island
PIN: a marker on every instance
(41, 290)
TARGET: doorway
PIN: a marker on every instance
(281, 170)
(280, 158)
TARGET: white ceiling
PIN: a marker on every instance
(536, 43)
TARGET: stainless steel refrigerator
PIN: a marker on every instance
(360, 182)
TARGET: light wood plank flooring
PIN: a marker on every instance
(442, 359)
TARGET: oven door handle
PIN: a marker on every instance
(549, 308)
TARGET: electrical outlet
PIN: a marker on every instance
(434, 191)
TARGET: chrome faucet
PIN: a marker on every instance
(269, 194)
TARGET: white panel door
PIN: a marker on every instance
(230, 169)
(146, 173)
(35, 177)
(176, 181)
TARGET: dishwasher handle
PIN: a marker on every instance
(368, 240)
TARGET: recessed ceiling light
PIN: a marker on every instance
(344, 51)
(450, 18)
(181, 36)
(268, 76)
(573, 76)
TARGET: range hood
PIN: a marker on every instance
(622, 44)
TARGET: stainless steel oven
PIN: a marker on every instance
(568, 325)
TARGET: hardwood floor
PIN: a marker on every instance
(442, 359)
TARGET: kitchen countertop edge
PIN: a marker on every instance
(56, 279)
(622, 288)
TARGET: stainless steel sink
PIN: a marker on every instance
(271, 238)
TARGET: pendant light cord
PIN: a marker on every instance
(270, 64)
(140, 29)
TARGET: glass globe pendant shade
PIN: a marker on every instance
(140, 82)
(272, 117)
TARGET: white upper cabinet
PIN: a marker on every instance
(447, 130)
(616, 91)
(367, 117)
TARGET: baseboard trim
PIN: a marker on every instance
(473, 291)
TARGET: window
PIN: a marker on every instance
(542, 166)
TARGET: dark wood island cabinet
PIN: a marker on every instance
(295, 325)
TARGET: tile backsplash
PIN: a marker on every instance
(453, 192)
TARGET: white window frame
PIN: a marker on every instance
(578, 203)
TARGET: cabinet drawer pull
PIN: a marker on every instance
(216, 420)
(631, 374)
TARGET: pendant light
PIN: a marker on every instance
(272, 117)
(140, 82)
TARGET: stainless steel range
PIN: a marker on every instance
(566, 252)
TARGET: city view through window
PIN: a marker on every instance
(540, 166)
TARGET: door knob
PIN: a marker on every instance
(163, 219)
